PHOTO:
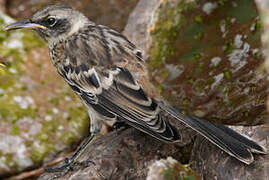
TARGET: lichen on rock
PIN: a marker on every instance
(170, 169)
(216, 48)
(39, 115)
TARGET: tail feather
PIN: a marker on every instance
(225, 138)
(253, 146)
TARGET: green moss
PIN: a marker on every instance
(43, 136)
(190, 80)
(166, 30)
(211, 80)
(246, 114)
(165, 73)
(228, 47)
(2, 71)
(194, 40)
(39, 153)
(79, 118)
(46, 141)
(199, 35)
(3, 34)
(258, 26)
(31, 40)
(78, 121)
(256, 36)
(55, 101)
(257, 55)
(244, 12)
(184, 111)
(227, 89)
(9, 161)
(199, 86)
(193, 29)
(200, 68)
(191, 53)
(222, 2)
(186, 101)
(9, 110)
(227, 74)
(198, 19)
(12, 112)
(15, 130)
(159, 87)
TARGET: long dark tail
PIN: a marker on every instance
(225, 138)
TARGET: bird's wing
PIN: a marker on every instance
(115, 92)
(108, 73)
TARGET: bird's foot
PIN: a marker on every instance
(69, 165)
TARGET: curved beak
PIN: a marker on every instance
(24, 24)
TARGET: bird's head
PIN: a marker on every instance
(53, 23)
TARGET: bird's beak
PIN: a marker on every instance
(23, 24)
(2, 65)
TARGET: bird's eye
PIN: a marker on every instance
(51, 21)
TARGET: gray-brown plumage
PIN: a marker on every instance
(110, 76)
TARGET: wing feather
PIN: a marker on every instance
(112, 80)
(124, 98)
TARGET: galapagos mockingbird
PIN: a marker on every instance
(109, 74)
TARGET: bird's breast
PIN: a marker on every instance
(56, 53)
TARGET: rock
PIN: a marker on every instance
(119, 156)
(170, 169)
(111, 13)
(204, 57)
(263, 7)
(211, 163)
(139, 22)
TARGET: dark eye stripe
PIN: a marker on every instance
(60, 26)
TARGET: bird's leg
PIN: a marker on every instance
(70, 162)
(95, 128)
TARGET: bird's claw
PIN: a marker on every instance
(69, 165)
(61, 171)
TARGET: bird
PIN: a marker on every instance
(110, 76)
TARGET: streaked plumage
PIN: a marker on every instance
(110, 76)
(100, 74)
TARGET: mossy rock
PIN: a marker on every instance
(39, 114)
(204, 58)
